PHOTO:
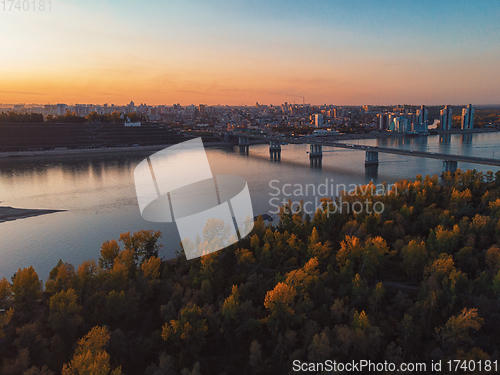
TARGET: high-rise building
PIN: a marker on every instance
(19, 108)
(318, 120)
(383, 121)
(422, 120)
(392, 123)
(81, 110)
(339, 112)
(390, 120)
(401, 124)
(61, 109)
(446, 118)
(468, 118)
(412, 120)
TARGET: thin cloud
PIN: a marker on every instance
(21, 92)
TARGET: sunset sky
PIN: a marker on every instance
(241, 52)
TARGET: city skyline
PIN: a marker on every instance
(236, 53)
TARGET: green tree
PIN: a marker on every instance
(64, 314)
(27, 290)
(116, 304)
(373, 255)
(188, 332)
(415, 257)
(409, 336)
(230, 309)
(255, 354)
(319, 350)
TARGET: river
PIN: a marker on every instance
(98, 195)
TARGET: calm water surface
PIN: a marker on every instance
(99, 195)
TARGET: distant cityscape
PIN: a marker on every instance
(402, 118)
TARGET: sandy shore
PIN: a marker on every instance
(10, 213)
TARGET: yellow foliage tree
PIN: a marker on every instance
(457, 328)
(279, 299)
(109, 252)
(60, 278)
(360, 321)
(231, 304)
(90, 356)
(301, 279)
(349, 248)
(5, 318)
(316, 248)
(151, 268)
(244, 256)
(5, 292)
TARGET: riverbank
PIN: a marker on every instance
(104, 150)
(387, 134)
(336, 137)
(469, 131)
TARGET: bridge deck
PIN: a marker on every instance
(387, 150)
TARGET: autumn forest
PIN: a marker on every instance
(419, 281)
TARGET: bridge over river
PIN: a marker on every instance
(450, 162)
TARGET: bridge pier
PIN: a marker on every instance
(371, 158)
(316, 155)
(371, 171)
(316, 162)
(243, 145)
(275, 150)
(450, 166)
